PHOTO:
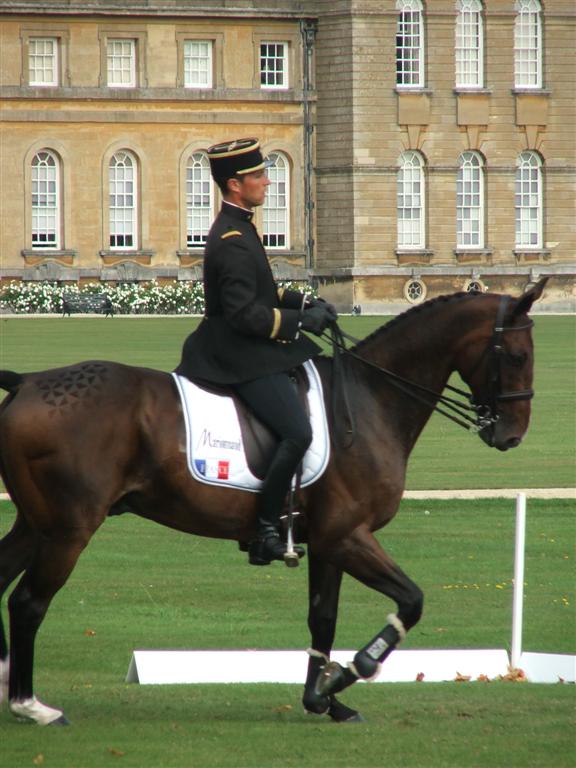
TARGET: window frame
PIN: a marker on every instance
(286, 64)
(57, 208)
(534, 32)
(519, 210)
(461, 180)
(210, 69)
(55, 58)
(464, 12)
(188, 207)
(139, 37)
(403, 165)
(61, 35)
(135, 207)
(414, 7)
(285, 208)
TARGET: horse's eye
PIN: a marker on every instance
(516, 358)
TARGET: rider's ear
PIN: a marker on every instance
(525, 302)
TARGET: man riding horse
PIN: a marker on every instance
(250, 336)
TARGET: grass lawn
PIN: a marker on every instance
(445, 456)
(140, 585)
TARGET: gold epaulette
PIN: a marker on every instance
(231, 233)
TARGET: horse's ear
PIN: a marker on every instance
(525, 302)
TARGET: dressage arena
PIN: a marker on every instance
(165, 591)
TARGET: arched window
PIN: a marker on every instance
(410, 201)
(469, 44)
(470, 201)
(409, 44)
(123, 204)
(199, 199)
(528, 44)
(276, 207)
(528, 201)
(46, 200)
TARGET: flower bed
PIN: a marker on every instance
(127, 298)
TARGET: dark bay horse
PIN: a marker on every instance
(97, 438)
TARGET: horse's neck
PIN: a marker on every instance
(419, 349)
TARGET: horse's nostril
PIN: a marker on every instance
(513, 442)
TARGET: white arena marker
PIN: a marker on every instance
(173, 667)
(518, 594)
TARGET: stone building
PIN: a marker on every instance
(418, 147)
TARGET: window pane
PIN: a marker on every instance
(43, 61)
(198, 64)
(410, 204)
(121, 61)
(122, 205)
(276, 220)
(199, 196)
(45, 201)
(274, 65)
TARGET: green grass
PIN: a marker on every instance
(445, 456)
(140, 585)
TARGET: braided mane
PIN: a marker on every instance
(419, 309)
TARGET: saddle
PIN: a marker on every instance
(259, 442)
(227, 446)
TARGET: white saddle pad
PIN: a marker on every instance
(214, 447)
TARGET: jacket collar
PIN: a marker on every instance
(237, 213)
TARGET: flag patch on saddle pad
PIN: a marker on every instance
(214, 445)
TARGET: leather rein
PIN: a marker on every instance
(470, 415)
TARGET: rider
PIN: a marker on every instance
(250, 336)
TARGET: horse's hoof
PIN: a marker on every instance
(62, 720)
(340, 713)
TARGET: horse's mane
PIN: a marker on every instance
(419, 309)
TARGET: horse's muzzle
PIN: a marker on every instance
(490, 436)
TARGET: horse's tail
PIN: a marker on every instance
(11, 381)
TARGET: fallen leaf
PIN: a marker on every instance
(39, 759)
(464, 714)
(116, 752)
(483, 679)
(89, 632)
(419, 677)
(283, 708)
(514, 676)
(461, 678)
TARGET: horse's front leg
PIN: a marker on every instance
(324, 582)
(362, 557)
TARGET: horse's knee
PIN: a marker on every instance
(25, 611)
(410, 609)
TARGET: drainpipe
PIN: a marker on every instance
(308, 32)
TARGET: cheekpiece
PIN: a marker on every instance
(235, 157)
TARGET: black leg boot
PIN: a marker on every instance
(268, 545)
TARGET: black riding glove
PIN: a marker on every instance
(313, 302)
(316, 319)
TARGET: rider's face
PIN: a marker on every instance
(251, 188)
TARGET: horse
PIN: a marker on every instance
(98, 438)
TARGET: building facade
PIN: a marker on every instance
(419, 148)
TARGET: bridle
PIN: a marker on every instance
(471, 415)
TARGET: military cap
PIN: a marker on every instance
(235, 157)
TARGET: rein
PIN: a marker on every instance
(484, 414)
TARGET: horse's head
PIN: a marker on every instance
(500, 372)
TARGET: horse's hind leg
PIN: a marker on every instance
(324, 582)
(16, 551)
(362, 557)
(51, 565)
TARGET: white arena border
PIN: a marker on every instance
(255, 666)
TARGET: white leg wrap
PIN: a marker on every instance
(317, 654)
(352, 667)
(398, 625)
(4, 671)
(32, 709)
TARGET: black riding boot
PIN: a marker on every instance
(267, 545)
